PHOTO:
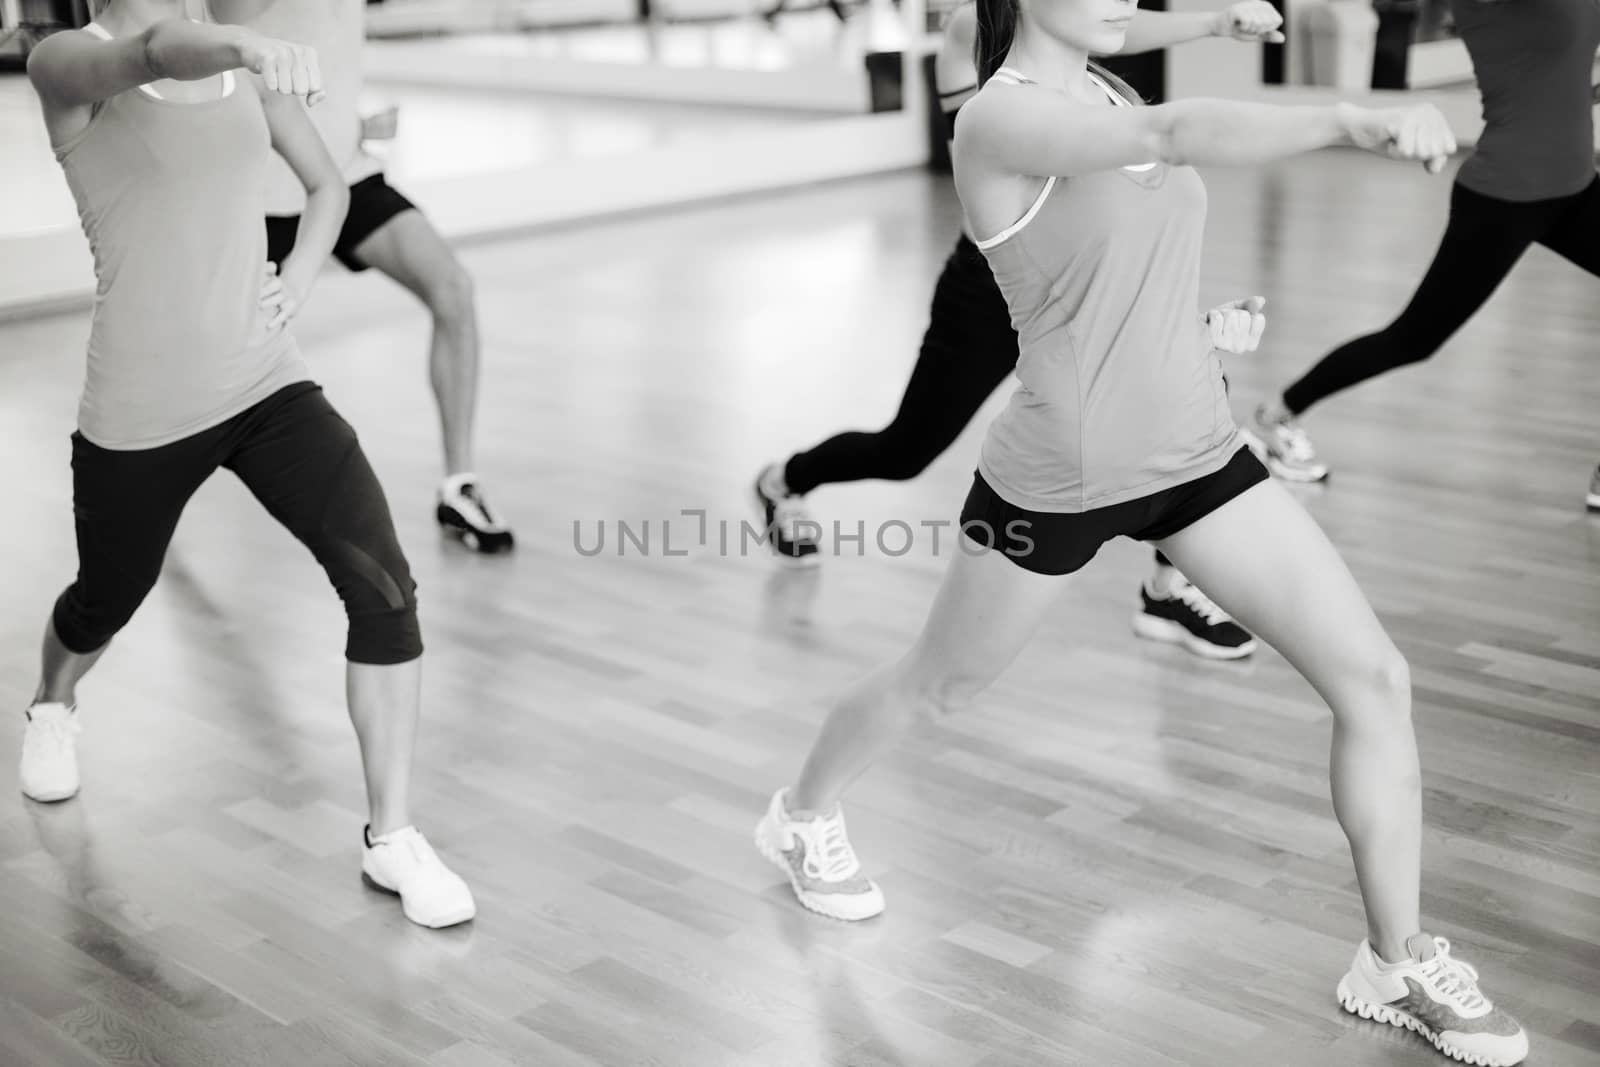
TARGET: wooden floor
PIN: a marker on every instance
(1122, 856)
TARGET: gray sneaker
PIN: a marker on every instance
(1284, 447)
(821, 865)
(1594, 491)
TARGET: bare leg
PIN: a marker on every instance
(984, 615)
(408, 249)
(61, 669)
(1267, 563)
(384, 706)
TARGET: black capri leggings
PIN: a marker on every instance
(301, 460)
(1483, 241)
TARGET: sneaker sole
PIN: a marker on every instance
(1168, 632)
(775, 857)
(1383, 1013)
(452, 919)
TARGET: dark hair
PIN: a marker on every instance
(997, 28)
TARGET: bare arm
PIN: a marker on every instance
(954, 70)
(1250, 20)
(76, 69)
(297, 141)
(1029, 130)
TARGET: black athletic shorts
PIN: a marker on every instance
(373, 202)
(1048, 542)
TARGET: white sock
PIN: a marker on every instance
(1276, 411)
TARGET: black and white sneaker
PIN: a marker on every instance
(464, 513)
(1188, 617)
(792, 531)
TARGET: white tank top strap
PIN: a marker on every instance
(1016, 227)
(1011, 76)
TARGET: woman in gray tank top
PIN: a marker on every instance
(1091, 217)
(164, 128)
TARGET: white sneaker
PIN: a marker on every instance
(1284, 447)
(50, 753)
(821, 865)
(403, 863)
(1436, 996)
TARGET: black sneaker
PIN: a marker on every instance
(464, 514)
(1188, 617)
(789, 526)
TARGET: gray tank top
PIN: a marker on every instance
(1121, 395)
(171, 198)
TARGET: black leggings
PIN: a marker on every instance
(301, 460)
(968, 349)
(1483, 241)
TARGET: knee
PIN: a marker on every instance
(451, 296)
(85, 624)
(1383, 682)
(943, 692)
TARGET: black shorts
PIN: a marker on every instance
(373, 202)
(1047, 542)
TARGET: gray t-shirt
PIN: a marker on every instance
(1534, 60)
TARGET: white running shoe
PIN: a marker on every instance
(403, 863)
(821, 865)
(50, 753)
(1593, 500)
(1284, 447)
(1438, 997)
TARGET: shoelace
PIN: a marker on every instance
(1456, 979)
(57, 733)
(1296, 442)
(1199, 603)
(788, 513)
(837, 860)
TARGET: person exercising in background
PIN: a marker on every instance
(386, 231)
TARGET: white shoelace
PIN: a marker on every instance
(1454, 978)
(55, 734)
(836, 860)
(1198, 602)
(1296, 442)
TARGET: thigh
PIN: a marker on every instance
(305, 465)
(1267, 563)
(126, 506)
(1482, 242)
(407, 248)
(968, 350)
(1575, 235)
(985, 613)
